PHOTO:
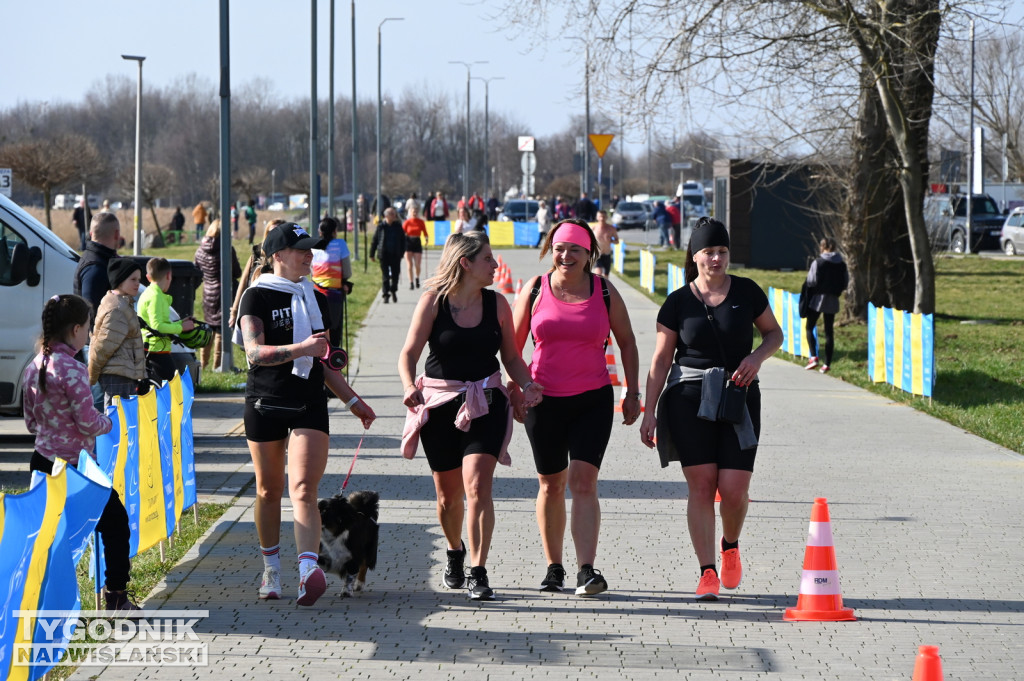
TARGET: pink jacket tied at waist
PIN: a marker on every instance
(438, 391)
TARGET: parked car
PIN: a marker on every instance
(519, 210)
(1011, 238)
(629, 215)
(945, 217)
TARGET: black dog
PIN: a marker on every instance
(348, 537)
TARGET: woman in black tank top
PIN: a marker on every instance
(466, 327)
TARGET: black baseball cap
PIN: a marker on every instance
(289, 235)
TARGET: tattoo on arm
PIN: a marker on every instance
(255, 351)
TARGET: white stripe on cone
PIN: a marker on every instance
(820, 534)
(820, 583)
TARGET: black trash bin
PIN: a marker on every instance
(184, 282)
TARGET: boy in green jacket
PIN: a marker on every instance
(155, 311)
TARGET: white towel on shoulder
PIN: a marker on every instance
(305, 314)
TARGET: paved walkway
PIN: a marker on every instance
(927, 522)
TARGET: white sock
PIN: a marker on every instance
(307, 561)
(271, 557)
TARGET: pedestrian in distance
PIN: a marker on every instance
(234, 221)
(415, 241)
(675, 211)
(91, 281)
(827, 278)
(207, 259)
(177, 224)
(281, 320)
(388, 246)
(607, 236)
(438, 209)
(463, 223)
(200, 216)
(585, 208)
(331, 272)
(459, 407)
(570, 312)
(711, 426)
(80, 218)
(543, 222)
(662, 218)
(250, 217)
(117, 356)
(59, 411)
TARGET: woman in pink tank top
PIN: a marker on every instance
(570, 318)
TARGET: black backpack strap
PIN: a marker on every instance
(607, 295)
(534, 292)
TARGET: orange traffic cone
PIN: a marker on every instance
(928, 665)
(609, 360)
(718, 496)
(499, 274)
(506, 284)
(622, 398)
(820, 597)
(519, 289)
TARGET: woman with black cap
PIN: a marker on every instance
(705, 338)
(281, 326)
(117, 358)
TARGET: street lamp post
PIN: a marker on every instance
(487, 126)
(137, 229)
(379, 27)
(586, 91)
(465, 172)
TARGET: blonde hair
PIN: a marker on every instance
(213, 230)
(450, 273)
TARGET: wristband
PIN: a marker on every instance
(355, 398)
(527, 386)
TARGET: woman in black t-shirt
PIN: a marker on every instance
(466, 326)
(705, 334)
(281, 319)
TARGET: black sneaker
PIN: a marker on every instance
(394, 298)
(387, 298)
(555, 579)
(455, 571)
(417, 282)
(589, 582)
(479, 589)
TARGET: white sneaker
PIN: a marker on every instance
(270, 587)
(812, 363)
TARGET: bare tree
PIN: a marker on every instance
(809, 66)
(999, 93)
(158, 182)
(49, 164)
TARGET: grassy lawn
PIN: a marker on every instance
(979, 342)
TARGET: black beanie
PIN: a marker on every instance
(708, 233)
(119, 269)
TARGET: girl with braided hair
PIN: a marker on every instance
(60, 413)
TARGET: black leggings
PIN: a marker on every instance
(113, 528)
(812, 321)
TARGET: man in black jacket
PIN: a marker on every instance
(91, 280)
(389, 244)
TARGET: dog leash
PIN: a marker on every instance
(352, 465)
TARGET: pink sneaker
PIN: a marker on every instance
(708, 586)
(824, 369)
(312, 587)
(732, 569)
(812, 363)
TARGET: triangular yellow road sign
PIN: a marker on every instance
(601, 143)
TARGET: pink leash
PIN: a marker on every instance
(352, 465)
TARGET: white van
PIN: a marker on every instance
(696, 201)
(35, 265)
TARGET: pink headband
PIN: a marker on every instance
(573, 234)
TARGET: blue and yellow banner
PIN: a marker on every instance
(901, 349)
(37, 569)
(647, 265)
(619, 257)
(499, 232)
(786, 307)
(676, 277)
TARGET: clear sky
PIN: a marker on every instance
(56, 50)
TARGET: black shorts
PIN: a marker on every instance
(699, 441)
(445, 445)
(262, 428)
(413, 244)
(605, 262)
(574, 428)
